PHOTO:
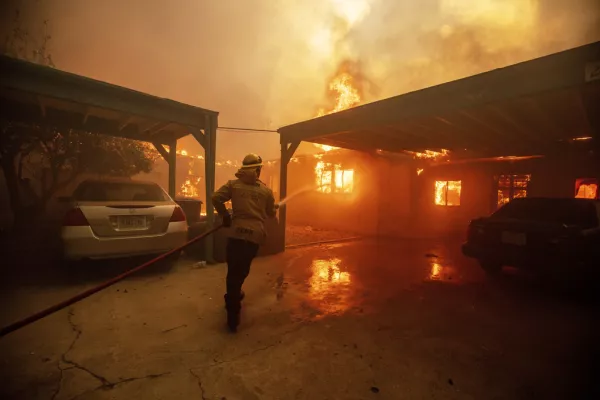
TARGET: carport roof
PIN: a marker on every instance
(525, 108)
(36, 93)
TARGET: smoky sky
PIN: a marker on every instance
(255, 61)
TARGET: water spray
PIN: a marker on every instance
(295, 194)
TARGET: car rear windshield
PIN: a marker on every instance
(119, 191)
(578, 212)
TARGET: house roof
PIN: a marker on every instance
(36, 93)
(526, 108)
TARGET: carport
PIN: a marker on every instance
(40, 94)
(534, 107)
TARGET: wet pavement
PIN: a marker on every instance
(360, 320)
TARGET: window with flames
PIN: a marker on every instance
(332, 178)
(447, 193)
(586, 188)
(511, 187)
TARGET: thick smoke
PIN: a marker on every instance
(469, 39)
(265, 63)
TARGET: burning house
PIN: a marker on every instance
(427, 162)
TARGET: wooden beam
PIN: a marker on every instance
(163, 152)
(172, 168)
(289, 151)
(61, 119)
(199, 136)
(541, 116)
(496, 109)
(123, 124)
(483, 123)
(42, 106)
(86, 114)
(210, 153)
(156, 128)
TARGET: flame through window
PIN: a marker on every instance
(331, 178)
(447, 193)
(512, 187)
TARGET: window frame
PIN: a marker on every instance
(447, 181)
(511, 187)
(330, 168)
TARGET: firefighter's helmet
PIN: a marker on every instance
(252, 161)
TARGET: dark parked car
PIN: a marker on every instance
(538, 234)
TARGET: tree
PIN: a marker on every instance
(54, 158)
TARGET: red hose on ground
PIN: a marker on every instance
(57, 307)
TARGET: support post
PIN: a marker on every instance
(210, 152)
(172, 161)
(287, 151)
(162, 151)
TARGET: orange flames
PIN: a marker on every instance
(345, 94)
(447, 193)
(331, 178)
(430, 154)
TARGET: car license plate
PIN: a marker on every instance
(516, 238)
(132, 222)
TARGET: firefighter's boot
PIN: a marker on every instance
(242, 295)
(233, 307)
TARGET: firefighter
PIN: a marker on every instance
(252, 203)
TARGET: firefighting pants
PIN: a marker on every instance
(240, 254)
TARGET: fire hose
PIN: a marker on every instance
(57, 307)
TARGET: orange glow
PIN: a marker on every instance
(587, 191)
(332, 178)
(345, 94)
(447, 193)
(329, 286)
(190, 187)
(512, 186)
(430, 154)
(325, 147)
(436, 271)
(419, 171)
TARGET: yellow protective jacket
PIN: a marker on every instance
(252, 203)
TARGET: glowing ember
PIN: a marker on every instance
(447, 193)
(419, 171)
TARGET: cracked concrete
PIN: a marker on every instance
(349, 321)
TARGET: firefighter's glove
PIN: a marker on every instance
(227, 220)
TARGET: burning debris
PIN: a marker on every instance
(430, 154)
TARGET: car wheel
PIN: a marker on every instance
(491, 267)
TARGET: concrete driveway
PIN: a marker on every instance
(362, 320)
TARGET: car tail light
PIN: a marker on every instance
(75, 217)
(178, 215)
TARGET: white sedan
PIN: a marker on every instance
(121, 218)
